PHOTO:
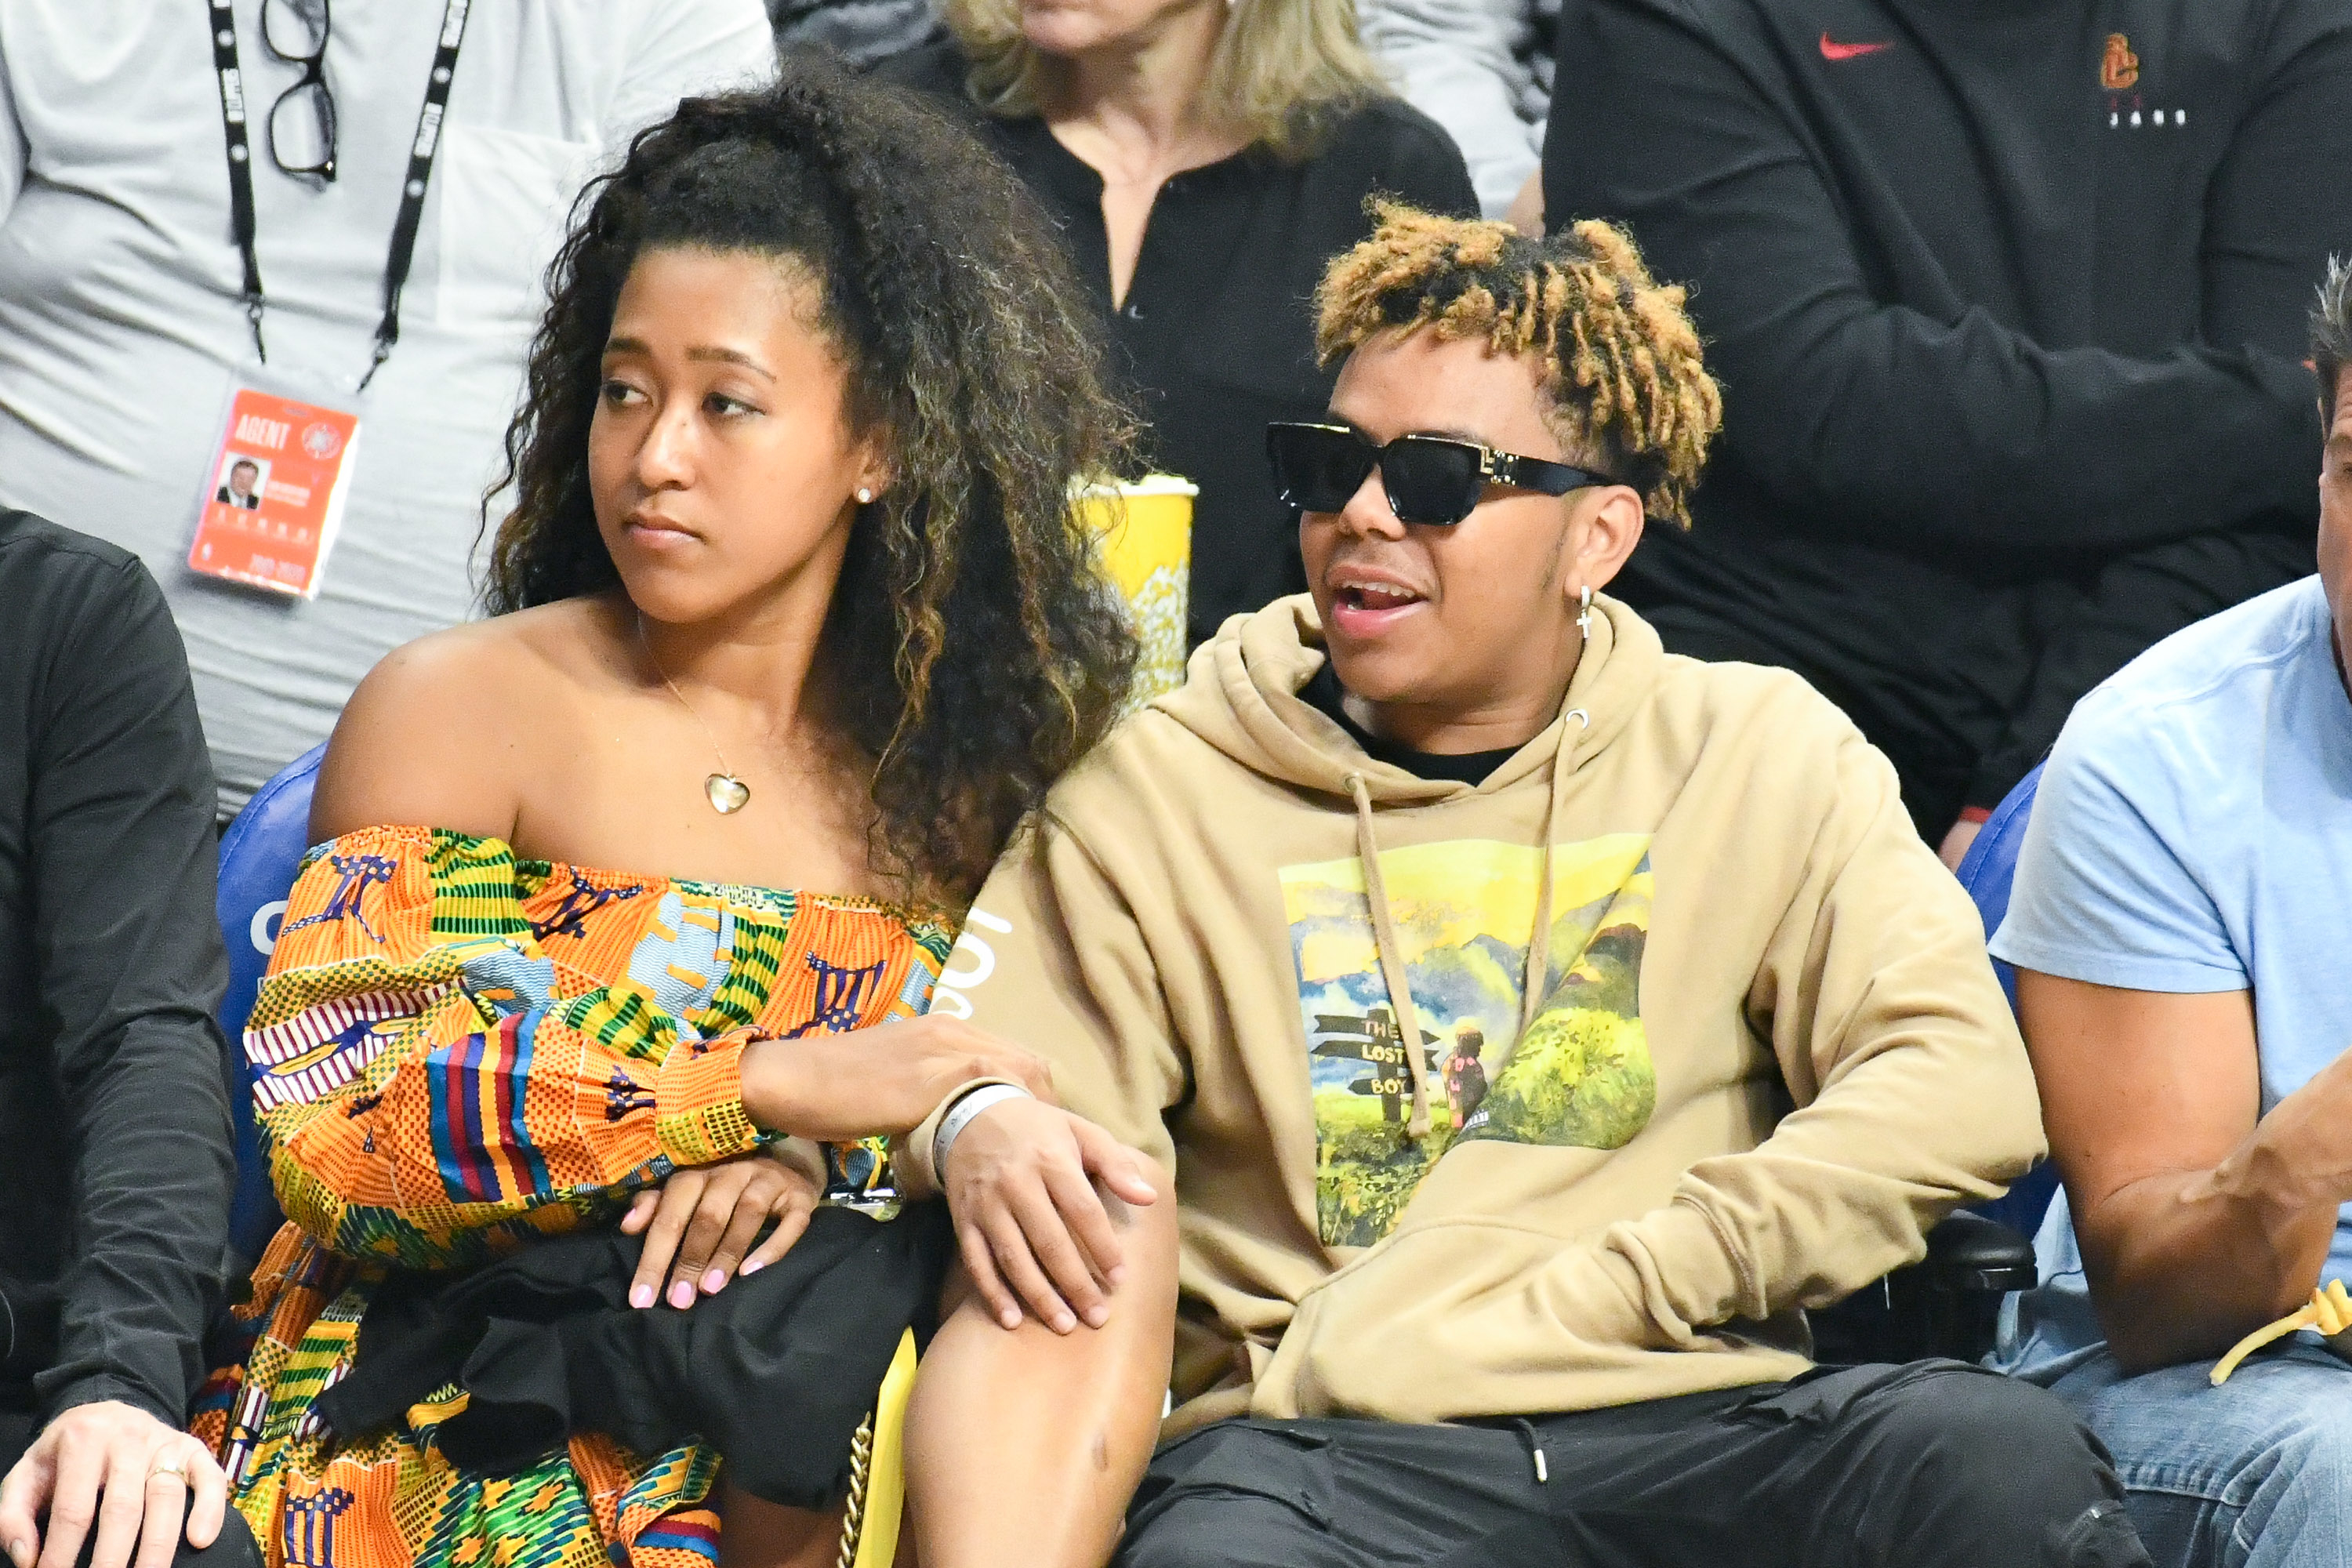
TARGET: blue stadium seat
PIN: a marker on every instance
(258, 856)
(1987, 871)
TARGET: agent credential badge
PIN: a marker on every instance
(273, 497)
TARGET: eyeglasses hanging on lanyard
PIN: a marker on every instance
(304, 115)
(300, 36)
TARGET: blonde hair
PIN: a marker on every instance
(1283, 70)
(1624, 379)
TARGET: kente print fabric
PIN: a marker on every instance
(456, 1050)
(1464, 912)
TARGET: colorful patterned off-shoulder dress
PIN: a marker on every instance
(456, 1050)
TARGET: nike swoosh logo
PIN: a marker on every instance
(1832, 50)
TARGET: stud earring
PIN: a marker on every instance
(1584, 612)
(864, 496)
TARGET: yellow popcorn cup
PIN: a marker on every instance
(1146, 533)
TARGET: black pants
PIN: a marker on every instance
(1933, 1465)
(234, 1547)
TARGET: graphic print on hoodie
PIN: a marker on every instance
(1464, 911)
(1835, 1065)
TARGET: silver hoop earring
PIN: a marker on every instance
(1584, 612)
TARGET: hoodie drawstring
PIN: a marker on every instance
(1534, 1441)
(1384, 942)
(1535, 976)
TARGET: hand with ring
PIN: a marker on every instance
(113, 1467)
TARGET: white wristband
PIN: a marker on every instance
(961, 1114)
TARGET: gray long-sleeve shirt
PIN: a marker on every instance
(114, 1076)
(1483, 69)
(863, 32)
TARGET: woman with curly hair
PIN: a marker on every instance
(591, 1017)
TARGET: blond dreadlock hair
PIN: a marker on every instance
(1623, 379)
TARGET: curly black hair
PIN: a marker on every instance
(974, 649)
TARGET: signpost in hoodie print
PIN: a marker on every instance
(1372, 1040)
(1463, 912)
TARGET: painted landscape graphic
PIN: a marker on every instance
(1463, 912)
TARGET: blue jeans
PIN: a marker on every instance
(2254, 1474)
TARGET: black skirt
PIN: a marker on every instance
(776, 1371)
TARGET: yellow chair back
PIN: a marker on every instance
(877, 1470)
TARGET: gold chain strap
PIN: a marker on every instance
(852, 1518)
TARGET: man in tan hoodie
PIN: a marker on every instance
(1742, 1045)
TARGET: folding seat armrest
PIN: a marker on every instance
(1947, 1304)
(1968, 1254)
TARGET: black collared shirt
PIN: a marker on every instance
(113, 1077)
(1216, 336)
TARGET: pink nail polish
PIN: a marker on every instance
(641, 1295)
(714, 1281)
(681, 1294)
(751, 1267)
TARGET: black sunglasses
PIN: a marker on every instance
(296, 32)
(1431, 479)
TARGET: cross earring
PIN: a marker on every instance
(1584, 612)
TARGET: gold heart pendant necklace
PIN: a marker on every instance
(727, 793)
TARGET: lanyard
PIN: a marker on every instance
(421, 151)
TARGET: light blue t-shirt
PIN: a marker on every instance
(2193, 833)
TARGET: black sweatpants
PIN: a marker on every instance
(1933, 1465)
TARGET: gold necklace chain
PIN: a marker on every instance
(727, 792)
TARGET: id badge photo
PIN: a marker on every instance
(271, 497)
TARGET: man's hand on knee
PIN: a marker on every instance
(1026, 1183)
(113, 1467)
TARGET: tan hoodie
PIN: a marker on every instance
(1766, 1050)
